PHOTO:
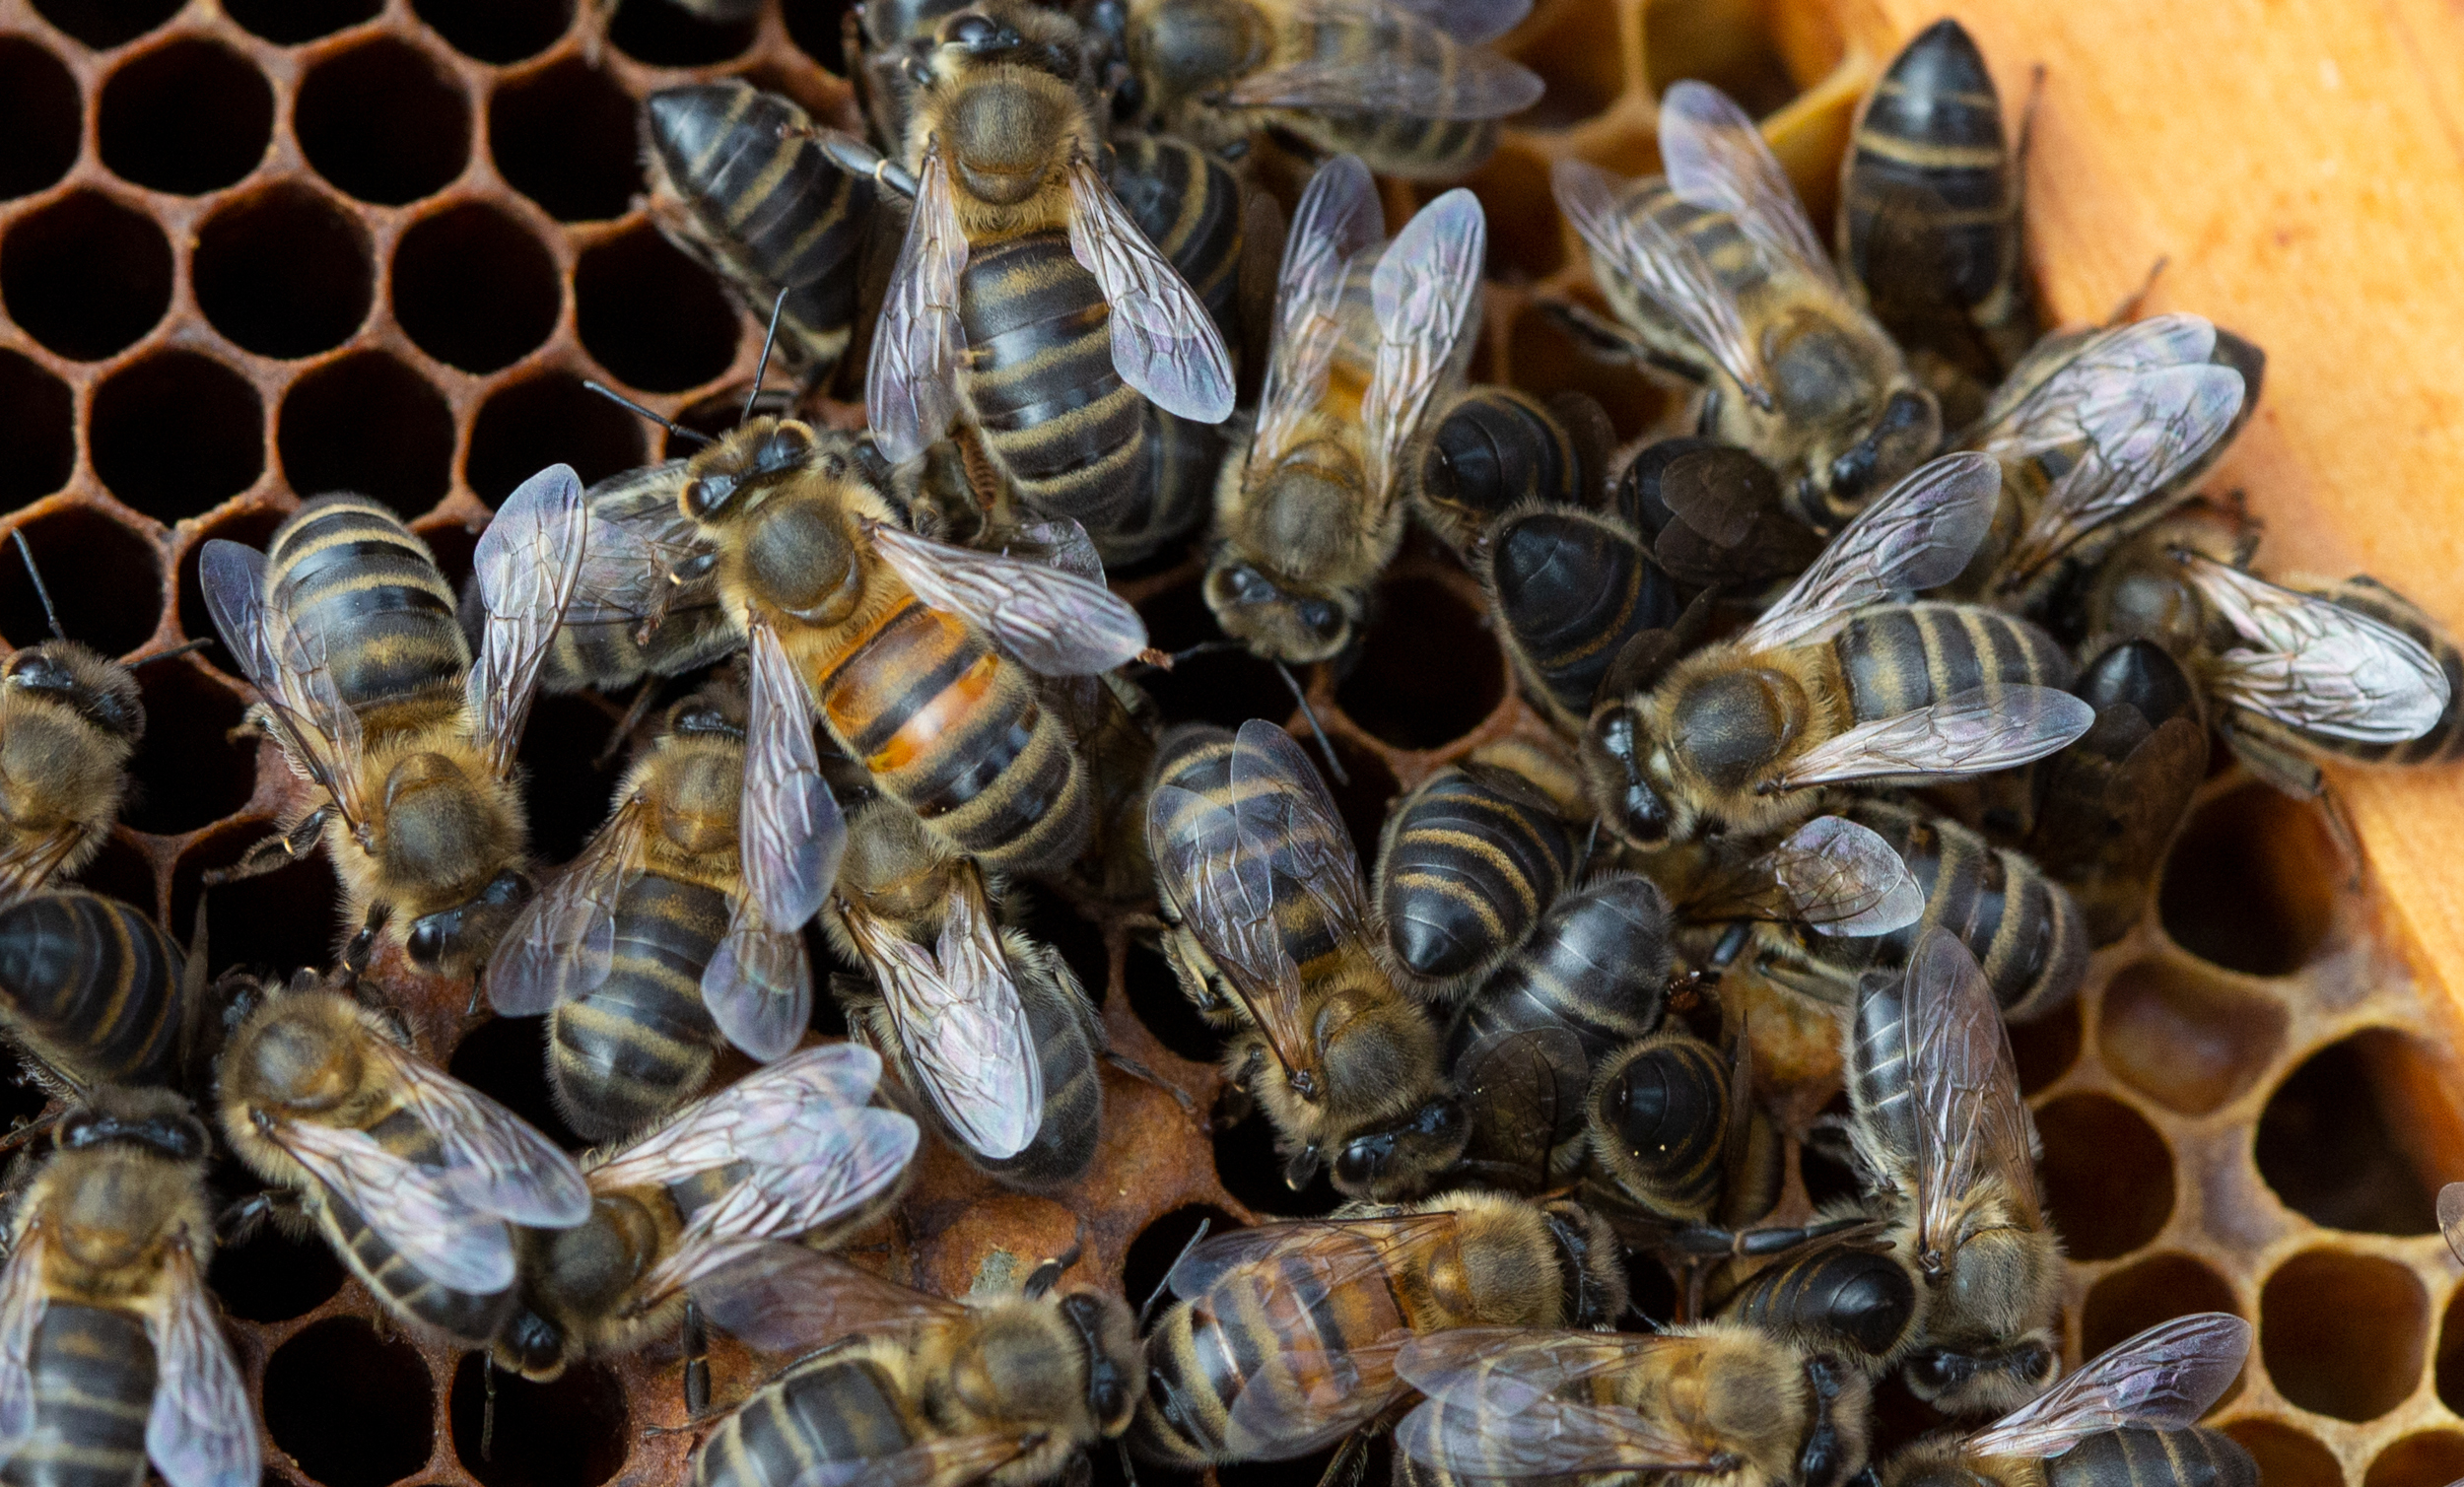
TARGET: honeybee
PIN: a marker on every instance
(2023, 927)
(1715, 272)
(1465, 867)
(1571, 590)
(1949, 1155)
(648, 953)
(1491, 449)
(1410, 89)
(918, 655)
(347, 631)
(1713, 517)
(2290, 672)
(2128, 1418)
(1842, 1295)
(990, 1028)
(1833, 683)
(2097, 436)
(1930, 217)
(910, 1387)
(2108, 807)
(70, 720)
(92, 993)
(1717, 1400)
(736, 183)
(1284, 1338)
(1265, 882)
(789, 1151)
(111, 1353)
(1024, 295)
(1365, 340)
(646, 604)
(413, 1178)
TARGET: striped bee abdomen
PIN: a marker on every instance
(1836, 1292)
(1659, 1123)
(1899, 657)
(1039, 384)
(2024, 929)
(1572, 588)
(834, 1408)
(363, 586)
(92, 987)
(469, 1316)
(1066, 1044)
(642, 1042)
(92, 1375)
(2141, 1457)
(1468, 863)
(1496, 448)
(949, 727)
(1187, 203)
(1390, 143)
(1598, 966)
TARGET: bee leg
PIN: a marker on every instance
(235, 1224)
(1137, 1070)
(1048, 1274)
(273, 853)
(2128, 309)
(696, 1363)
(487, 1412)
(2276, 765)
(642, 698)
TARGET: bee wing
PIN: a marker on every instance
(1493, 1409)
(563, 943)
(2451, 1217)
(2163, 1378)
(928, 1462)
(962, 1024)
(850, 1158)
(499, 1162)
(1048, 621)
(758, 983)
(2133, 407)
(21, 1304)
(1335, 1253)
(1426, 295)
(527, 563)
(199, 1431)
(1665, 267)
(1470, 82)
(1164, 343)
(1225, 893)
(790, 833)
(910, 384)
(784, 1298)
(319, 732)
(1287, 819)
(1471, 22)
(1842, 879)
(758, 1118)
(1717, 160)
(28, 864)
(638, 535)
(1919, 535)
(1972, 732)
(1339, 217)
(2316, 665)
(418, 1210)
(1969, 1122)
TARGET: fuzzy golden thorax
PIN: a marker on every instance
(1502, 1267)
(1791, 1418)
(580, 1285)
(1009, 94)
(122, 1193)
(1065, 1367)
(900, 873)
(693, 786)
(301, 1054)
(1687, 759)
(69, 721)
(1185, 49)
(784, 505)
(1376, 1109)
(1990, 1309)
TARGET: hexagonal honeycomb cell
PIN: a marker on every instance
(255, 250)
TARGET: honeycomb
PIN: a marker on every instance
(253, 249)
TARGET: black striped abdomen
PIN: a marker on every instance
(951, 728)
(641, 1043)
(1900, 657)
(1494, 450)
(1927, 171)
(1838, 1292)
(1187, 203)
(93, 986)
(358, 581)
(1572, 588)
(2445, 741)
(2024, 929)
(1659, 1123)
(1391, 144)
(1468, 864)
(401, 1285)
(1073, 1087)
(2141, 1457)
(1039, 384)
(94, 1387)
(1880, 1087)
(1597, 966)
(833, 1408)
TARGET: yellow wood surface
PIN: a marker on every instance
(2301, 164)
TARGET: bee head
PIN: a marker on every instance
(1391, 1161)
(760, 453)
(101, 692)
(1280, 624)
(1618, 765)
(1834, 1442)
(1189, 47)
(1906, 430)
(153, 1120)
(1115, 1365)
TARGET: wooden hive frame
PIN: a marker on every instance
(2298, 164)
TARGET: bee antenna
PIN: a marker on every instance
(669, 424)
(179, 649)
(18, 535)
(1325, 746)
(1146, 1312)
(1203, 647)
(777, 308)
